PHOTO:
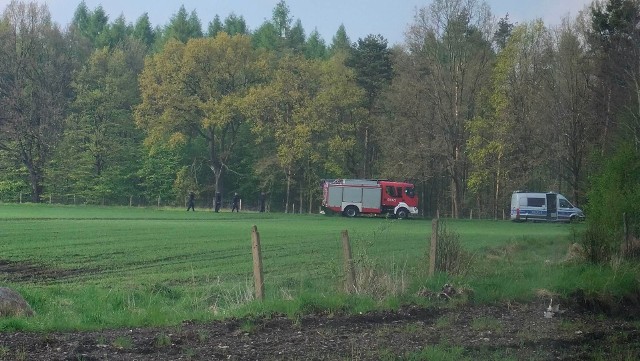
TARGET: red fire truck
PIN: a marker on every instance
(354, 196)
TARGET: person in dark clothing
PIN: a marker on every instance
(262, 201)
(235, 203)
(192, 202)
(218, 201)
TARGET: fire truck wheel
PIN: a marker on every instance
(351, 211)
(402, 213)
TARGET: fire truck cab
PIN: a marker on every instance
(355, 196)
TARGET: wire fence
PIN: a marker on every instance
(126, 201)
(77, 199)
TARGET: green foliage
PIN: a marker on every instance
(315, 48)
(215, 26)
(143, 31)
(12, 180)
(281, 18)
(179, 108)
(296, 38)
(92, 25)
(158, 172)
(306, 109)
(98, 153)
(235, 25)
(597, 242)
(266, 37)
(616, 191)
(183, 26)
(371, 61)
(340, 42)
(503, 141)
(614, 195)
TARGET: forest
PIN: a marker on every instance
(470, 107)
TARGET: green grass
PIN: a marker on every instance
(102, 267)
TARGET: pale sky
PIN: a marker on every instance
(389, 18)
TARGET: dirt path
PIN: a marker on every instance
(516, 331)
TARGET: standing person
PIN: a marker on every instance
(262, 201)
(235, 203)
(218, 201)
(192, 202)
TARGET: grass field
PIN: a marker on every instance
(93, 267)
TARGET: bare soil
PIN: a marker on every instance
(587, 329)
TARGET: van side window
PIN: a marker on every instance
(536, 202)
(410, 192)
(565, 203)
(391, 191)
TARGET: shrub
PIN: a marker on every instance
(596, 243)
(450, 256)
(615, 193)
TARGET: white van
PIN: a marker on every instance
(552, 207)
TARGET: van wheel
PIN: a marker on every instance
(350, 211)
(402, 213)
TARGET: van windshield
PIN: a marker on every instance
(565, 203)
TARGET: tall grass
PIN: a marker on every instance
(96, 267)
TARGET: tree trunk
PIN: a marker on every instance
(301, 198)
(34, 181)
(496, 197)
(36, 188)
(366, 152)
(214, 162)
(310, 188)
(286, 205)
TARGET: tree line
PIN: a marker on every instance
(468, 108)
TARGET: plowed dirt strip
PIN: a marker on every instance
(483, 332)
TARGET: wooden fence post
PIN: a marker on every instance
(434, 246)
(257, 263)
(349, 269)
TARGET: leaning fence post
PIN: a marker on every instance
(349, 269)
(257, 263)
(434, 246)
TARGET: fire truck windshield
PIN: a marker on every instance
(410, 192)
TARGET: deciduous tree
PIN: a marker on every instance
(307, 108)
(98, 156)
(451, 38)
(510, 143)
(571, 85)
(196, 91)
(35, 71)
